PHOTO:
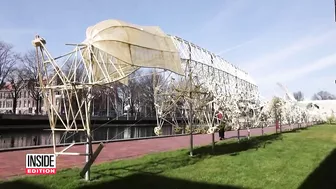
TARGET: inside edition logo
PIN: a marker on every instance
(37, 164)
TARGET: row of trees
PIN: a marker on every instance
(137, 96)
(18, 72)
(322, 95)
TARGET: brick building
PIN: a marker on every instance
(25, 103)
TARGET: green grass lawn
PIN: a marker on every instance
(298, 159)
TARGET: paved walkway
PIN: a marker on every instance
(13, 162)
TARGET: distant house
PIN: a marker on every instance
(6, 102)
(25, 103)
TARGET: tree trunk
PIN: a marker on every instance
(290, 126)
(14, 105)
(37, 107)
(132, 108)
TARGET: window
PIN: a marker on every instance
(0, 104)
(20, 95)
(0, 97)
(19, 104)
(24, 104)
(25, 94)
(29, 104)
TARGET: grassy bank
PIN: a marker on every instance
(298, 159)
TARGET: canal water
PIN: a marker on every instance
(38, 137)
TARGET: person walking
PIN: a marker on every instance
(221, 128)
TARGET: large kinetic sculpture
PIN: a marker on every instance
(211, 85)
(195, 84)
(287, 111)
(111, 52)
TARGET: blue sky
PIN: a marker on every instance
(287, 41)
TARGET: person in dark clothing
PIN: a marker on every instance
(221, 133)
(35, 140)
(221, 128)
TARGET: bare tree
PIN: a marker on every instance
(74, 71)
(16, 84)
(145, 91)
(142, 90)
(123, 93)
(7, 61)
(298, 96)
(135, 93)
(31, 75)
(323, 95)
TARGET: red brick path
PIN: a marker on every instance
(13, 162)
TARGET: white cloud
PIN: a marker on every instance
(18, 31)
(224, 17)
(296, 47)
(20, 37)
(295, 73)
(267, 83)
(235, 47)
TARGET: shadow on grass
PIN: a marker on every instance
(158, 165)
(138, 180)
(152, 167)
(16, 184)
(323, 177)
(153, 181)
(145, 172)
(295, 130)
(233, 148)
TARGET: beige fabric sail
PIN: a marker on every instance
(130, 47)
